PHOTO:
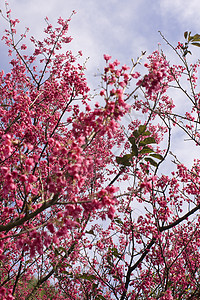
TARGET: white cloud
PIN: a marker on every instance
(186, 11)
(120, 28)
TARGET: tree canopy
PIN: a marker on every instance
(88, 207)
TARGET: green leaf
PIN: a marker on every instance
(100, 297)
(94, 286)
(190, 37)
(158, 156)
(118, 220)
(136, 133)
(125, 160)
(185, 34)
(27, 261)
(87, 277)
(142, 129)
(149, 140)
(196, 37)
(91, 231)
(108, 258)
(147, 171)
(196, 44)
(56, 252)
(134, 146)
(115, 252)
(116, 276)
(67, 273)
(146, 133)
(63, 249)
(132, 140)
(152, 162)
(146, 149)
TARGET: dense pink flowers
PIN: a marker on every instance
(88, 206)
(159, 75)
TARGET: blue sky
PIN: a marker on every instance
(119, 28)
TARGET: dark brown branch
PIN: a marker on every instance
(131, 269)
(179, 220)
(29, 216)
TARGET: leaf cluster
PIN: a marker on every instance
(140, 141)
(190, 39)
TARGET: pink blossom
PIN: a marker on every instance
(107, 57)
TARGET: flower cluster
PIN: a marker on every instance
(158, 76)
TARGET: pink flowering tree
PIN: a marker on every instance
(150, 249)
(69, 226)
(54, 158)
